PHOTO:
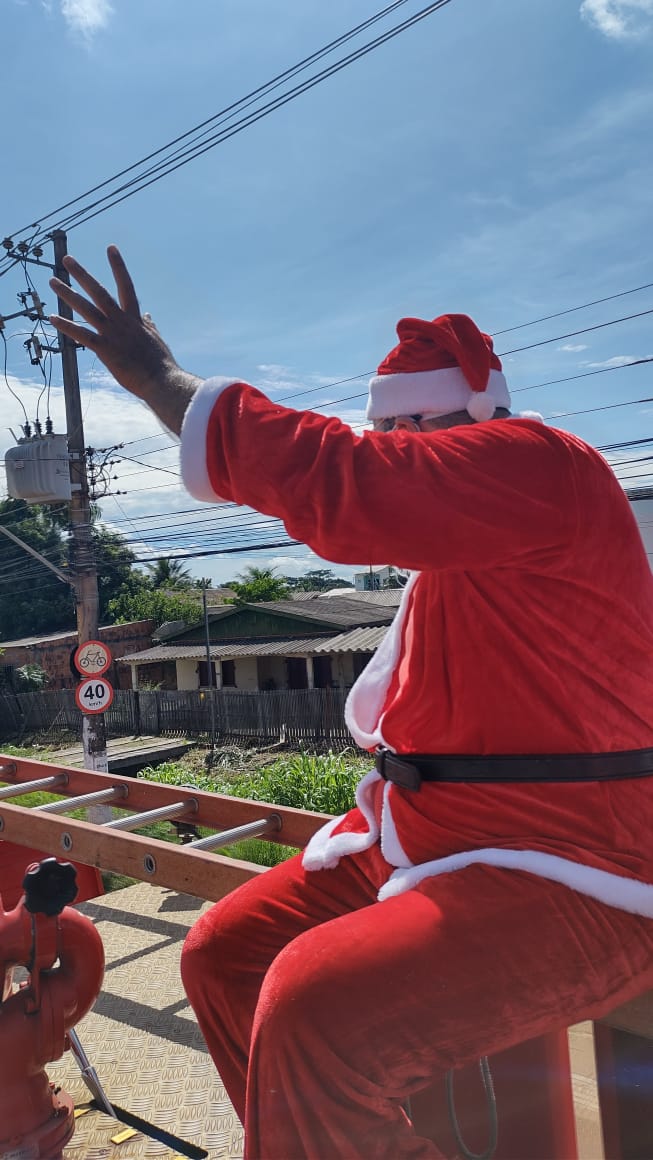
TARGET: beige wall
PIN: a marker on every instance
(252, 672)
(187, 674)
(246, 675)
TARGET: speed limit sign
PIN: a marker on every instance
(94, 695)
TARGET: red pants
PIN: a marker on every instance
(324, 1009)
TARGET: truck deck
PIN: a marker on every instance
(144, 1043)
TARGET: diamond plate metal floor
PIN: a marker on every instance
(142, 1038)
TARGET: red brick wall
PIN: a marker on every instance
(55, 655)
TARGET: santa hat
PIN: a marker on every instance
(439, 367)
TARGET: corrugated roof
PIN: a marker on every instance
(338, 610)
(357, 640)
(387, 596)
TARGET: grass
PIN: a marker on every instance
(321, 782)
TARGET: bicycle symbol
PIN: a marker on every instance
(92, 660)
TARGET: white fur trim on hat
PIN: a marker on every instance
(438, 392)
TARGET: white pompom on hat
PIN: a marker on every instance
(437, 368)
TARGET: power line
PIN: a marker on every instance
(574, 333)
(162, 168)
(585, 374)
(572, 309)
(592, 410)
(216, 117)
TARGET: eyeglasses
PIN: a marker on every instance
(390, 422)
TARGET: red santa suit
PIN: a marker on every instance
(425, 929)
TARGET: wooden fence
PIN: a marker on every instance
(309, 716)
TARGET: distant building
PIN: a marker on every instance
(54, 653)
(376, 579)
(641, 502)
(324, 642)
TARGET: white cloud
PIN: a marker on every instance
(619, 360)
(618, 19)
(86, 17)
(573, 347)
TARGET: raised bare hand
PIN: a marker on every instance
(127, 342)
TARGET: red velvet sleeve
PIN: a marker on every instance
(489, 495)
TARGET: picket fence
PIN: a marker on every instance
(305, 716)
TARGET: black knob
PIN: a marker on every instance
(49, 887)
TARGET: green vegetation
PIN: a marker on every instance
(258, 584)
(166, 573)
(322, 782)
(39, 603)
(139, 601)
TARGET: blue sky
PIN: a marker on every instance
(495, 159)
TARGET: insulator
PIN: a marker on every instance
(38, 305)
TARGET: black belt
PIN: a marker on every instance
(411, 769)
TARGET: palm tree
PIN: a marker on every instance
(167, 573)
(259, 584)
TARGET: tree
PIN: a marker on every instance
(167, 573)
(145, 603)
(33, 601)
(255, 585)
(115, 567)
(317, 580)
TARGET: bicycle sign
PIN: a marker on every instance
(92, 658)
(93, 695)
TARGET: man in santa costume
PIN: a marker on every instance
(495, 880)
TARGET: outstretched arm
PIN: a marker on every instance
(127, 342)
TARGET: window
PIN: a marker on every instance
(229, 674)
(205, 682)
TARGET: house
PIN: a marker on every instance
(641, 503)
(322, 641)
(377, 579)
(54, 652)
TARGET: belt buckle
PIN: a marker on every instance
(398, 770)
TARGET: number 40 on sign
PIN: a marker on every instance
(94, 695)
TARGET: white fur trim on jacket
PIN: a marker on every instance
(367, 695)
(430, 393)
(391, 847)
(193, 439)
(325, 848)
(611, 889)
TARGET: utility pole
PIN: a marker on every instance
(94, 742)
(207, 645)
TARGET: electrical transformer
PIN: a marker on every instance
(38, 469)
